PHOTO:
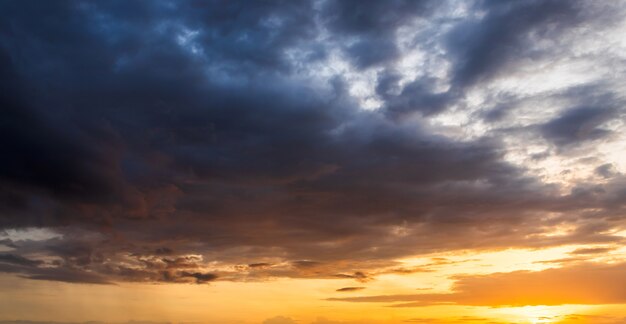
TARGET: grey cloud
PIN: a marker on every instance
(417, 96)
(373, 24)
(366, 53)
(578, 125)
(8, 243)
(483, 47)
(18, 260)
(606, 170)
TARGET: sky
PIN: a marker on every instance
(313, 162)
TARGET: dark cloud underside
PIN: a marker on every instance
(157, 137)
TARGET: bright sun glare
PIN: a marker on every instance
(538, 314)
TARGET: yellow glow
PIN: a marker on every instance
(540, 314)
(303, 300)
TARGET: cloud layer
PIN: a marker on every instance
(586, 284)
(192, 142)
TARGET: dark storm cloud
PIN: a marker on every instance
(480, 49)
(415, 97)
(8, 243)
(40, 270)
(18, 260)
(486, 46)
(163, 251)
(42, 155)
(88, 266)
(159, 138)
(578, 125)
(369, 26)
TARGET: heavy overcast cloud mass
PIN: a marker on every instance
(199, 141)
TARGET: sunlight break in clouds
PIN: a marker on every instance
(312, 161)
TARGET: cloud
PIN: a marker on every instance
(350, 289)
(578, 125)
(587, 283)
(8, 243)
(200, 277)
(18, 260)
(178, 142)
(593, 250)
(417, 96)
(66, 275)
(488, 45)
(373, 24)
(606, 170)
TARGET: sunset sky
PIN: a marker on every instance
(313, 162)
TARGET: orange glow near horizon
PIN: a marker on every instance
(302, 300)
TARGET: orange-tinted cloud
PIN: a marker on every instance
(589, 284)
(350, 289)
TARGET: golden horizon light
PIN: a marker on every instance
(312, 162)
